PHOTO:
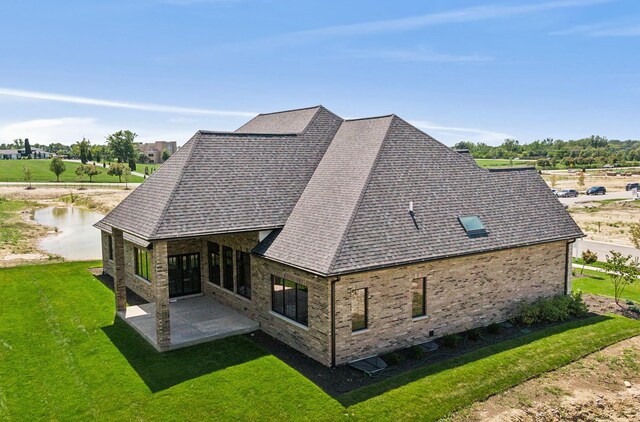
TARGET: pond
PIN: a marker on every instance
(76, 237)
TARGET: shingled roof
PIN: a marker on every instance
(337, 193)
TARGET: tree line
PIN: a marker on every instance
(593, 151)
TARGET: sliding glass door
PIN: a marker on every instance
(184, 275)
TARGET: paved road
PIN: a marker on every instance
(590, 198)
(602, 249)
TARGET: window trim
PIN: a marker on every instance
(210, 248)
(282, 314)
(240, 274)
(424, 298)
(138, 253)
(226, 273)
(366, 309)
(110, 247)
(478, 232)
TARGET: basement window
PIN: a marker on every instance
(473, 226)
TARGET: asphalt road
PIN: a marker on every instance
(590, 198)
(602, 249)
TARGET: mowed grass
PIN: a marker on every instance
(485, 162)
(11, 171)
(62, 357)
(599, 283)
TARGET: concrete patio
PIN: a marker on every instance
(193, 320)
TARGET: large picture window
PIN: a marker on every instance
(214, 263)
(359, 312)
(243, 271)
(290, 299)
(142, 267)
(419, 297)
(227, 268)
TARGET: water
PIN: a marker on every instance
(76, 237)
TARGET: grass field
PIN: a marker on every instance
(482, 162)
(12, 228)
(62, 357)
(599, 283)
(11, 171)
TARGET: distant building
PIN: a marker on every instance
(153, 150)
(16, 154)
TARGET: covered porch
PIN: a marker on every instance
(193, 320)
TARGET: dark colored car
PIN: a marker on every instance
(567, 193)
(597, 190)
(631, 186)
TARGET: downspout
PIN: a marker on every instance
(333, 321)
(568, 269)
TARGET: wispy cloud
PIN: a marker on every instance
(455, 134)
(45, 96)
(470, 14)
(603, 29)
(419, 54)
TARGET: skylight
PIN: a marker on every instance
(473, 226)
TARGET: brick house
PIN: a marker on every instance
(342, 238)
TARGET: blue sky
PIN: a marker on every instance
(459, 70)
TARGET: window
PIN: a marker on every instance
(110, 240)
(419, 297)
(142, 263)
(243, 271)
(214, 263)
(473, 226)
(359, 317)
(289, 299)
(227, 268)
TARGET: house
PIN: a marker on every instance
(9, 154)
(153, 150)
(342, 238)
(16, 154)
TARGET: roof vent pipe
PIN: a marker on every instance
(411, 206)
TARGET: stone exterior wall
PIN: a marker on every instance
(462, 293)
(107, 264)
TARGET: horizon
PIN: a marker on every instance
(458, 70)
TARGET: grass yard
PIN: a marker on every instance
(62, 357)
(12, 228)
(599, 283)
(11, 171)
(485, 162)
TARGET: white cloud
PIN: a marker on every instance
(65, 130)
(419, 54)
(452, 134)
(120, 104)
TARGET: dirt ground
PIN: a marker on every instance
(26, 251)
(566, 180)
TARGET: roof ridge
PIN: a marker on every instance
(290, 110)
(177, 185)
(515, 168)
(365, 186)
(244, 134)
(382, 116)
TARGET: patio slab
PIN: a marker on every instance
(193, 320)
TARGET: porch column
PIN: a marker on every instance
(119, 279)
(161, 290)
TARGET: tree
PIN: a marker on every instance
(126, 173)
(623, 271)
(84, 152)
(588, 258)
(27, 148)
(581, 179)
(554, 181)
(28, 175)
(92, 170)
(81, 173)
(121, 145)
(132, 165)
(57, 167)
(117, 169)
(165, 154)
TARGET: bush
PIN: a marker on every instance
(494, 328)
(473, 334)
(635, 309)
(451, 341)
(630, 302)
(416, 352)
(392, 358)
(556, 309)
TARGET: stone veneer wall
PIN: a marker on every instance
(462, 293)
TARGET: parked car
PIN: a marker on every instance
(567, 193)
(597, 190)
(632, 186)
(609, 166)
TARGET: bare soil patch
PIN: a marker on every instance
(607, 222)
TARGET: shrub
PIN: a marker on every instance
(392, 358)
(494, 328)
(559, 308)
(473, 334)
(416, 352)
(635, 309)
(451, 341)
(630, 302)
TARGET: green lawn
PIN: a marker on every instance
(12, 228)
(485, 162)
(62, 357)
(579, 261)
(11, 171)
(599, 283)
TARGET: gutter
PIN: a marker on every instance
(568, 260)
(333, 321)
